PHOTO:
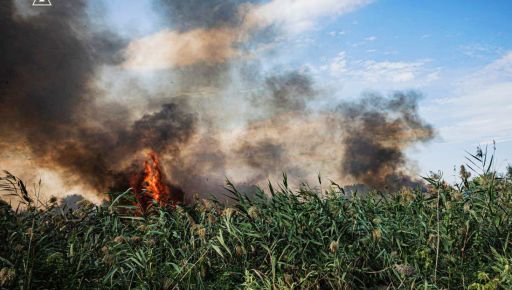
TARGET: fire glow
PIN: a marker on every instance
(150, 184)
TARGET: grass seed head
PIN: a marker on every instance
(229, 212)
(334, 246)
(109, 259)
(211, 218)
(457, 196)
(404, 269)
(136, 239)
(407, 195)
(208, 204)
(84, 203)
(201, 232)
(464, 174)
(19, 248)
(7, 276)
(180, 209)
(119, 240)
(239, 250)
(81, 213)
(376, 234)
(253, 212)
(288, 279)
(431, 239)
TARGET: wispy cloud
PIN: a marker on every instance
(399, 71)
(336, 33)
(296, 16)
(377, 71)
(338, 64)
(480, 107)
(480, 50)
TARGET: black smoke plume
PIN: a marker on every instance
(50, 105)
(377, 130)
(287, 92)
(190, 14)
(47, 103)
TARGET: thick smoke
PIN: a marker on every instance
(186, 15)
(48, 104)
(46, 66)
(265, 145)
(286, 92)
(367, 137)
(377, 131)
(210, 113)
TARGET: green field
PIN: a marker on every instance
(447, 237)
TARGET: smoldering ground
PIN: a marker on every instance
(209, 113)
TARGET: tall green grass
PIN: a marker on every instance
(448, 237)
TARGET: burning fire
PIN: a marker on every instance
(153, 179)
(150, 184)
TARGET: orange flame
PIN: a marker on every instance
(150, 184)
(152, 181)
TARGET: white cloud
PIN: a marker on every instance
(339, 64)
(295, 16)
(336, 33)
(498, 71)
(481, 106)
(371, 38)
(377, 71)
(433, 76)
(480, 50)
(400, 71)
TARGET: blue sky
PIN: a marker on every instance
(456, 53)
(454, 39)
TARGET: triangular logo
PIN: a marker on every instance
(42, 3)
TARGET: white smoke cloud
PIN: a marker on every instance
(167, 49)
(171, 49)
(295, 16)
